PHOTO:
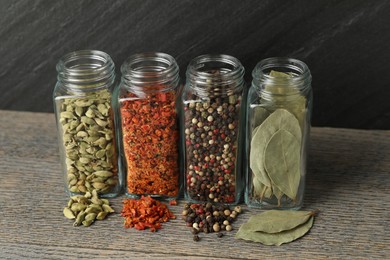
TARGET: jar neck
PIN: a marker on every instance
(296, 82)
(150, 73)
(85, 71)
(214, 75)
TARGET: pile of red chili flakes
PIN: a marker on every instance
(145, 213)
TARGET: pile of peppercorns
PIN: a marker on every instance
(211, 132)
(209, 218)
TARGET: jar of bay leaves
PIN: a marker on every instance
(278, 123)
(212, 115)
(149, 130)
(85, 121)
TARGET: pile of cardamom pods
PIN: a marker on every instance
(87, 208)
(276, 227)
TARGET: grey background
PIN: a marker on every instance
(345, 44)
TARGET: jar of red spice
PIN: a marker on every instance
(84, 112)
(212, 120)
(149, 125)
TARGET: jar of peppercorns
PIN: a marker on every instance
(149, 133)
(279, 108)
(212, 118)
(85, 120)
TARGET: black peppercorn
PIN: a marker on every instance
(194, 231)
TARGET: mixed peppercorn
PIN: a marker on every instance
(211, 136)
(209, 218)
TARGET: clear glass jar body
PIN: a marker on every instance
(279, 106)
(149, 136)
(212, 118)
(85, 122)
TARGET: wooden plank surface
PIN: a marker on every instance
(348, 181)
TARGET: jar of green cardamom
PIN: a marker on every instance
(279, 109)
(85, 121)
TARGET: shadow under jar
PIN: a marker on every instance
(211, 121)
(149, 140)
(85, 122)
(279, 108)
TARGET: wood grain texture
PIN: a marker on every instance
(348, 181)
(344, 43)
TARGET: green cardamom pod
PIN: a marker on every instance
(92, 210)
(70, 202)
(82, 188)
(95, 208)
(68, 213)
(99, 185)
(96, 201)
(79, 111)
(87, 223)
(87, 195)
(107, 208)
(76, 207)
(95, 194)
(103, 174)
(66, 114)
(83, 102)
(90, 216)
(112, 181)
(102, 215)
(80, 218)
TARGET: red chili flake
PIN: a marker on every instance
(145, 213)
(173, 202)
(150, 138)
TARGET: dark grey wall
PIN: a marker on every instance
(345, 44)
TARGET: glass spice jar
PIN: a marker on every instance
(212, 120)
(147, 98)
(85, 122)
(279, 106)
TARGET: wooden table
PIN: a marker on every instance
(348, 181)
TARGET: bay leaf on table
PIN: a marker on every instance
(275, 238)
(282, 162)
(274, 221)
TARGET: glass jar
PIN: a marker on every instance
(147, 98)
(279, 108)
(85, 122)
(212, 121)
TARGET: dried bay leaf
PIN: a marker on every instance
(286, 95)
(274, 221)
(275, 238)
(278, 74)
(260, 190)
(259, 114)
(278, 194)
(289, 107)
(279, 119)
(282, 162)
